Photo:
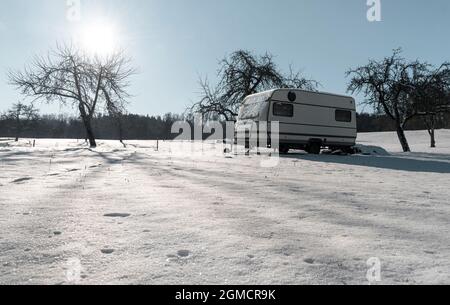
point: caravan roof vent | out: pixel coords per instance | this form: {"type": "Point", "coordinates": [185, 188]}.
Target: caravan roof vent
{"type": "Point", "coordinates": [292, 96]}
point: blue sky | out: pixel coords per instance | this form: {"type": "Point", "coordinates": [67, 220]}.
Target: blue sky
{"type": "Point", "coordinates": [173, 42]}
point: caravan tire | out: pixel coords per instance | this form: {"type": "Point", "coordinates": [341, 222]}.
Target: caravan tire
{"type": "Point", "coordinates": [314, 148]}
{"type": "Point", "coordinates": [284, 150]}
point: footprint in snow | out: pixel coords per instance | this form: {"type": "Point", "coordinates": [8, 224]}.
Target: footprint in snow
{"type": "Point", "coordinates": [107, 251]}
{"type": "Point", "coordinates": [117, 215]}
{"type": "Point", "coordinates": [309, 261]}
{"type": "Point", "coordinates": [72, 170]}
{"type": "Point", "coordinates": [184, 253]}
{"type": "Point", "coordinates": [20, 180]}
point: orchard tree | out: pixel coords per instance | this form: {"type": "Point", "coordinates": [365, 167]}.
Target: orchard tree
{"type": "Point", "coordinates": [241, 74]}
{"type": "Point", "coordinates": [430, 92]}
{"type": "Point", "coordinates": [68, 75]}
{"type": "Point", "coordinates": [386, 85]}
{"type": "Point", "coordinates": [21, 118]}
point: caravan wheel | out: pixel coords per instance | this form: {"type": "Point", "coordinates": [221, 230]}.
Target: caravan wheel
{"type": "Point", "coordinates": [314, 148]}
{"type": "Point", "coordinates": [284, 150]}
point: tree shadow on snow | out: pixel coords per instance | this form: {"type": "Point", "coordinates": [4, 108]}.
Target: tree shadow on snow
{"type": "Point", "coordinates": [8, 155]}
{"type": "Point", "coordinates": [109, 157]}
{"type": "Point", "coordinates": [400, 163]}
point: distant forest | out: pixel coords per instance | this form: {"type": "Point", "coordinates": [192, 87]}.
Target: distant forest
{"type": "Point", "coordinates": [136, 127]}
{"type": "Point", "coordinates": [139, 127]}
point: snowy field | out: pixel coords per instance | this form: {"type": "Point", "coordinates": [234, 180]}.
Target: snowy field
{"type": "Point", "coordinates": [134, 215]}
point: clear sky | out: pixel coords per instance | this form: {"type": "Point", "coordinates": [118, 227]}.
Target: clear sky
{"type": "Point", "coordinates": [173, 42]}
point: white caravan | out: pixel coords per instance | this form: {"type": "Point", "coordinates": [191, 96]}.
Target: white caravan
{"type": "Point", "coordinates": [307, 120]}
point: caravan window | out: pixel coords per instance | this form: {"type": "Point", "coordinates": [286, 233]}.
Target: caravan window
{"type": "Point", "coordinates": [251, 111]}
{"type": "Point", "coordinates": [253, 106]}
{"type": "Point", "coordinates": [344, 116]}
{"type": "Point", "coordinates": [282, 109]}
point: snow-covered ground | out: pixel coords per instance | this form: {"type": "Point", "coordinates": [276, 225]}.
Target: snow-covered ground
{"type": "Point", "coordinates": [116, 215]}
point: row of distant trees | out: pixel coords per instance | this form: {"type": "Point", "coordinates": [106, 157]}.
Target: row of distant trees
{"type": "Point", "coordinates": [395, 88]}
{"type": "Point", "coordinates": [371, 122]}
{"type": "Point", "coordinates": [136, 127]}
{"type": "Point", "coordinates": [21, 122]}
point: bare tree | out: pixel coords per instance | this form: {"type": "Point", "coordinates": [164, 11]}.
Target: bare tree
{"type": "Point", "coordinates": [296, 80]}
{"type": "Point", "coordinates": [386, 86]}
{"type": "Point", "coordinates": [430, 92]}
{"type": "Point", "coordinates": [240, 75]}
{"type": "Point", "coordinates": [21, 117]}
{"type": "Point", "coordinates": [68, 75]}
{"type": "Point", "coordinates": [214, 102]}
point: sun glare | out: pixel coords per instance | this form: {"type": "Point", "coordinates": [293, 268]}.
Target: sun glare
{"type": "Point", "coordinates": [99, 39]}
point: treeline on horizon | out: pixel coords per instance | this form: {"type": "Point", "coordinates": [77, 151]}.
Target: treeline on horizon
{"type": "Point", "coordinates": [145, 127]}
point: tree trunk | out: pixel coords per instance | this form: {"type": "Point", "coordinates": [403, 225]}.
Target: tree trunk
{"type": "Point", "coordinates": [430, 123]}
{"type": "Point", "coordinates": [90, 133]}
{"type": "Point", "coordinates": [18, 128]}
{"type": "Point", "coordinates": [87, 125]}
{"type": "Point", "coordinates": [433, 138]}
{"type": "Point", "coordinates": [432, 131]}
{"type": "Point", "coordinates": [402, 138]}
{"type": "Point", "coordinates": [119, 122]}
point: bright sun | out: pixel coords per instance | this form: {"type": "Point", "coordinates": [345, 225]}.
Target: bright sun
{"type": "Point", "coordinates": [99, 39]}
